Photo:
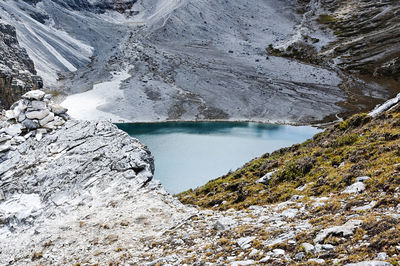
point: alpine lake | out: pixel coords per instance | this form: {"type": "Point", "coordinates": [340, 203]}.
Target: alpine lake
{"type": "Point", "coordinates": [189, 154]}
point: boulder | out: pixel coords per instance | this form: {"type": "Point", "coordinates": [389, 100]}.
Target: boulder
{"type": "Point", "coordinates": [362, 178]}
{"type": "Point", "coordinates": [224, 223]}
{"type": "Point", "coordinates": [357, 187]}
{"type": "Point", "coordinates": [343, 230]}
{"type": "Point", "coordinates": [14, 130]}
{"type": "Point", "coordinates": [37, 105]}
{"type": "Point", "coordinates": [244, 242]}
{"type": "Point", "coordinates": [308, 247]}
{"type": "Point", "coordinates": [57, 109]}
{"type": "Point", "coordinates": [37, 114]}
{"type": "Point", "coordinates": [47, 119]}
{"type": "Point", "coordinates": [265, 179]}
{"type": "Point", "coordinates": [34, 95]}
{"type": "Point", "coordinates": [30, 124]}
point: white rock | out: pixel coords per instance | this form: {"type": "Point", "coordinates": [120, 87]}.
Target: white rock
{"type": "Point", "coordinates": [328, 247]}
{"type": "Point", "coordinates": [319, 261]}
{"type": "Point", "coordinates": [244, 242]}
{"type": "Point", "coordinates": [34, 95]}
{"type": "Point", "coordinates": [370, 263]}
{"type": "Point", "coordinates": [21, 205]}
{"type": "Point", "coordinates": [266, 178]}
{"type": "Point", "coordinates": [299, 256]}
{"type": "Point", "coordinates": [21, 117]}
{"type": "Point", "coordinates": [278, 252]}
{"type": "Point", "coordinates": [57, 109]}
{"type": "Point", "coordinates": [242, 263]}
{"type": "Point", "coordinates": [355, 188]}
{"type": "Point", "coordinates": [5, 147]}
{"type": "Point", "coordinates": [39, 134]}
{"type": "Point", "coordinates": [301, 188]}
{"type": "Point", "coordinates": [14, 130]}
{"type": "Point", "coordinates": [224, 223]}
{"type": "Point", "coordinates": [308, 247]}
{"type": "Point", "coordinates": [58, 121]}
{"type": "Point", "coordinates": [19, 139]}
{"type": "Point", "coordinates": [265, 259]}
{"type": "Point", "coordinates": [38, 105]}
{"type": "Point", "coordinates": [37, 114]}
{"type": "Point", "coordinates": [47, 119]}
{"type": "Point", "coordinates": [345, 230]}
{"type": "Point", "coordinates": [253, 252]}
{"type": "Point", "coordinates": [290, 213]}
{"type": "Point", "coordinates": [382, 256]}
{"type": "Point", "coordinates": [9, 114]}
{"type": "Point", "coordinates": [362, 178]}
{"type": "Point", "coordinates": [365, 207]}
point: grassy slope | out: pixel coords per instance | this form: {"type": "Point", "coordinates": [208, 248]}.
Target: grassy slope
{"type": "Point", "coordinates": [326, 165]}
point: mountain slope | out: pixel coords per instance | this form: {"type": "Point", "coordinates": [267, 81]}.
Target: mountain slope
{"type": "Point", "coordinates": [187, 59]}
{"type": "Point", "coordinates": [349, 172]}
{"type": "Point", "coordinates": [17, 71]}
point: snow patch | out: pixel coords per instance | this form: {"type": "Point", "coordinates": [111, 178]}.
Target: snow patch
{"type": "Point", "coordinates": [386, 106]}
{"type": "Point", "coordinates": [84, 106]}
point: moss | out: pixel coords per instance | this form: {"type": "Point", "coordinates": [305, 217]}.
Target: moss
{"type": "Point", "coordinates": [326, 19]}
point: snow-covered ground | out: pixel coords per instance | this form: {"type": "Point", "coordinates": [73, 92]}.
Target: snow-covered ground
{"type": "Point", "coordinates": [85, 106]}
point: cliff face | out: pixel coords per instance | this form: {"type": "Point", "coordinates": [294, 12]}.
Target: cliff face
{"type": "Point", "coordinates": [17, 71]}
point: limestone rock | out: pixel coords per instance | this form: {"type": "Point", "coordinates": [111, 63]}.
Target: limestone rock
{"type": "Point", "coordinates": [57, 109]}
{"type": "Point", "coordinates": [224, 223]}
{"type": "Point", "coordinates": [37, 114]}
{"type": "Point", "coordinates": [308, 247]}
{"type": "Point", "coordinates": [245, 242]}
{"type": "Point", "coordinates": [370, 263]}
{"type": "Point", "coordinates": [14, 130]}
{"type": "Point", "coordinates": [355, 188]}
{"type": "Point", "coordinates": [343, 230]}
{"type": "Point", "coordinates": [47, 119]}
{"type": "Point", "coordinates": [264, 180]}
{"type": "Point", "coordinates": [362, 178]}
{"type": "Point", "coordinates": [34, 95]}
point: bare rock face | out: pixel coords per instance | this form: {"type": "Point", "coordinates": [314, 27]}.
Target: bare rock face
{"type": "Point", "coordinates": [17, 71]}
{"type": "Point", "coordinates": [81, 175]}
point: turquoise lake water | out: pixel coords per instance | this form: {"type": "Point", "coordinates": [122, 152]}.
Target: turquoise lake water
{"type": "Point", "coordinates": [188, 154]}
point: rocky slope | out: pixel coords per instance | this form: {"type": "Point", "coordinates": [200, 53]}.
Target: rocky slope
{"type": "Point", "coordinates": [365, 51]}
{"type": "Point", "coordinates": [17, 71]}
{"type": "Point", "coordinates": [213, 67]}
{"type": "Point", "coordinates": [61, 179]}
{"type": "Point", "coordinates": [334, 199]}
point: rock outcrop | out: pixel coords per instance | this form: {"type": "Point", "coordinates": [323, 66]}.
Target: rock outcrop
{"type": "Point", "coordinates": [61, 179]}
{"type": "Point", "coordinates": [17, 71]}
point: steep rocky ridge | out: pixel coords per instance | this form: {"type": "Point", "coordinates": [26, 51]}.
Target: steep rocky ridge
{"type": "Point", "coordinates": [17, 71]}
{"type": "Point", "coordinates": [365, 51]}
